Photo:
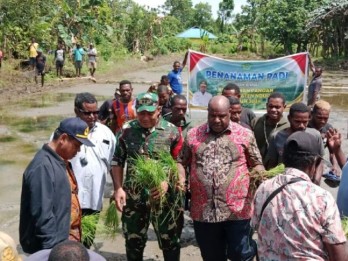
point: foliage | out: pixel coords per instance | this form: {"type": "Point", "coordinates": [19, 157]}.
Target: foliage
{"type": "Point", "coordinates": [225, 12]}
{"type": "Point", "coordinates": [180, 9]}
{"type": "Point", "coordinates": [119, 27]}
{"type": "Point", "coordinates": [326, 27]}
{"type": "Point", "coordinates": [202, 15]}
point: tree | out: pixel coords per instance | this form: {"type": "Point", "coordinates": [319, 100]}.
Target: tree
{"type": "Point", "coordinates": [181, 10]}
{"type": "Point", "coordinates": [327, 24]}
{"type": "Point", "coordinates": [225, 12]}
{"type": "Point", "coordinates": [202, 15]}
{"type": "Point", "coordinates": [282, 21]}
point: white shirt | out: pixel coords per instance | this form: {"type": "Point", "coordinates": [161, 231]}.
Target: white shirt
{"type": "Point", "coordinates": [201, 99]}
{"type": "Point", "coordinates": [91, 166]}
{"type": "Point", "coordinates": [93, 53]}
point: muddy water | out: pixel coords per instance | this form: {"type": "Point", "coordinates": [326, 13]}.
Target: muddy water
{"type": "Point", "coordinates": [26, 125]}
{"type": "Point", "coordinates": [335, 89]}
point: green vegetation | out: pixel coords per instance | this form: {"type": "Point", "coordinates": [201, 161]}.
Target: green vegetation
{"type": "Point", "coordinates": [257, 177]}
{"type": "Point", "coordinates": [121, 28]}
{"type": "Point", "coordinates": [107, 227]}
{"type": "Point", "coordinates": [345, 225]}
{"type": "Point", "coordinates": [111, 220]}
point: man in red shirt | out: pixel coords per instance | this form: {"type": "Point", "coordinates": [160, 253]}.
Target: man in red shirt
{"type": "Point", "coordinates": [219, 154]}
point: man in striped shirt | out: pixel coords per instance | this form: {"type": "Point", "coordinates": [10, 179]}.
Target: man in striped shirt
{"type": "Point", "coordinates": [123, 108]}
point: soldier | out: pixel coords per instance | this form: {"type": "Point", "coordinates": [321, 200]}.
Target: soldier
{"type": "Point", "coordinates": [146, 135]}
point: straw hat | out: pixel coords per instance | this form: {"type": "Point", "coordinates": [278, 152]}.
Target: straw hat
{"type": "Point", "coordinates": [8, 251]}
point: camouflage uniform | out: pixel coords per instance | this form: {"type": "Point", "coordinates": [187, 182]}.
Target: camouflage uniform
{"type": "Point", "coordinates": [134, 140]}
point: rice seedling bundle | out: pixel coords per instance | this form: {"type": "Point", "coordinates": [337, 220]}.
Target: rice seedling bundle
{"type": "Point", "coordinates": [88, 224]}
{"type": "Point", "coordinates": [257, 177]}
{"type": "Point", "coordinates": [345, 225]}
{"type": "Point", "coordinates": [151, 172]}
{"type": "Point", "coordinates": [108, 228]}
{"type": "Point", "coordinates": [111, 220]}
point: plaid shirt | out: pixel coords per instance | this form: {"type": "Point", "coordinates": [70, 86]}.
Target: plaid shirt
{"type": "Point", "coordinates": [219, 176]}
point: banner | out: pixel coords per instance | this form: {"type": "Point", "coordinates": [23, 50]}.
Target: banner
{"type": "Point", "coordinates": [256, 79]}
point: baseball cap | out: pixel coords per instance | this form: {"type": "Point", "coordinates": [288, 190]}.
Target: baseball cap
{"type": "Point", "coordinates": [147, 101]}
{"type": "Point", "coordinates": [8, 250]}
{"type": "Point", "coordinates": [304, 143]}
{"type": "Point", "coordinates": [76, 128]}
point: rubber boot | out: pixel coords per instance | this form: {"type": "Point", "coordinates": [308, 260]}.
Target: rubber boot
{"type": "Point", "coordinates": [171, 255]}
{"type": "Point", "coordinates": [134, 255]}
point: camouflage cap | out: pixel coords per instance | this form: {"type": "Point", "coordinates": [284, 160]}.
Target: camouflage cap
{"type": "Point", "coordinates": [147, 101]}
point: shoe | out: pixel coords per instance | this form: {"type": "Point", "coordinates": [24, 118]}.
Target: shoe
{"type": "Point", "coordinates": [331, 179]}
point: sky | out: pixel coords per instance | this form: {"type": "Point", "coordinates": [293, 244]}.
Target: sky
{"type": "Point", "coordinates": [214, 4]}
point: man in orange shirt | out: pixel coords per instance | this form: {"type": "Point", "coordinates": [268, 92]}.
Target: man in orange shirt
{"type": "Point", "coordinates": [123, 108]}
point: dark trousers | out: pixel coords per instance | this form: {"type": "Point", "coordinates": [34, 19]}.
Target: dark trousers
{"type": "Point", "coordinates": [222, 240]}
{"type": "Point", "coordinates": [87, 212]}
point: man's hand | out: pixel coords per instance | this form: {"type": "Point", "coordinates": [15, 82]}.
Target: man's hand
{"type": "Point", "coordinates": [157, 193]}
{"type": "Point", "coordinates": [180, 184]}
{"type": "Point", "coordinates": [334, 140]}
{"type": "Point", "coordinates": [120, 198]}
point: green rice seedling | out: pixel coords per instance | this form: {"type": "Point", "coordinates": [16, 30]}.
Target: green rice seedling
{"type": "Point", "coordinates": [169, 165]}
{"type": "Point", "coordinates": [88, 224]}
{"type": "Point", "coordinates": [257, 177]}
{"type": "Point", "coordinates": [150, 173]}
{"type": "Point", "coordinates": [111, 221]}
{"type": "Point", "coordinates": [345, 225]}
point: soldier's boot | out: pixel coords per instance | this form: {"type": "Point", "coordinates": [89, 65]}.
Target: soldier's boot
{"type": "Point", "coordinates": [135, 255]}
{"type": "Point", "coordinates": [171, 255]}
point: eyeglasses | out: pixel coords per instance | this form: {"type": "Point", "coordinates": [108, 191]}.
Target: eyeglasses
{"type": "Point", "coordinates": [87, 113]}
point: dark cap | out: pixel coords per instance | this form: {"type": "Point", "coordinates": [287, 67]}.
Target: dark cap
{"type": "Point", "coordinates": [304, 143]}
{"type": "Point", "coordinates": [147, 101]}
{"type": "Point", "coordinates": [76, 128]}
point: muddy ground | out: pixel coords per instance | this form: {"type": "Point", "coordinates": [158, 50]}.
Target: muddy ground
{"type": "Point", "coordinates": [29, 113]}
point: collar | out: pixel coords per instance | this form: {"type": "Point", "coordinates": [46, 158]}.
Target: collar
{"type": "Point", "coordinates": [53, 153]}
{"type": "Point", "coordinates": [94, 127]}
{"type": "Point", "coordinates": [227, 130]}
{"type": "Point", "coordinates": [297, 173]}
{"type": "Point", "coordinates": [183, 123]}
{"type": "Point", "coordinates": [281, 122]}
{"type": "Point", "coordinates": [160, 125]}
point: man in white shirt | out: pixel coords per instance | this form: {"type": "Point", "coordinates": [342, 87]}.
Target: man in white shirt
{"type": "Point", "coordinates": [92, 59]}
{"type": "Point", "coordinates": [201, 97]}
{"type": "Point", "coordinates": [92, 165]}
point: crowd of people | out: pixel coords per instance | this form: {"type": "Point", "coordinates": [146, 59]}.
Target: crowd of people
{"type": "Point", "coordinates": [77, 54]}
{"type": "Point", "coordinates": [293, 216]}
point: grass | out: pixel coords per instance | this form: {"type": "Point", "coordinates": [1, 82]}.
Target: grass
{"type": "Point", "coordinates": [7, 138]}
